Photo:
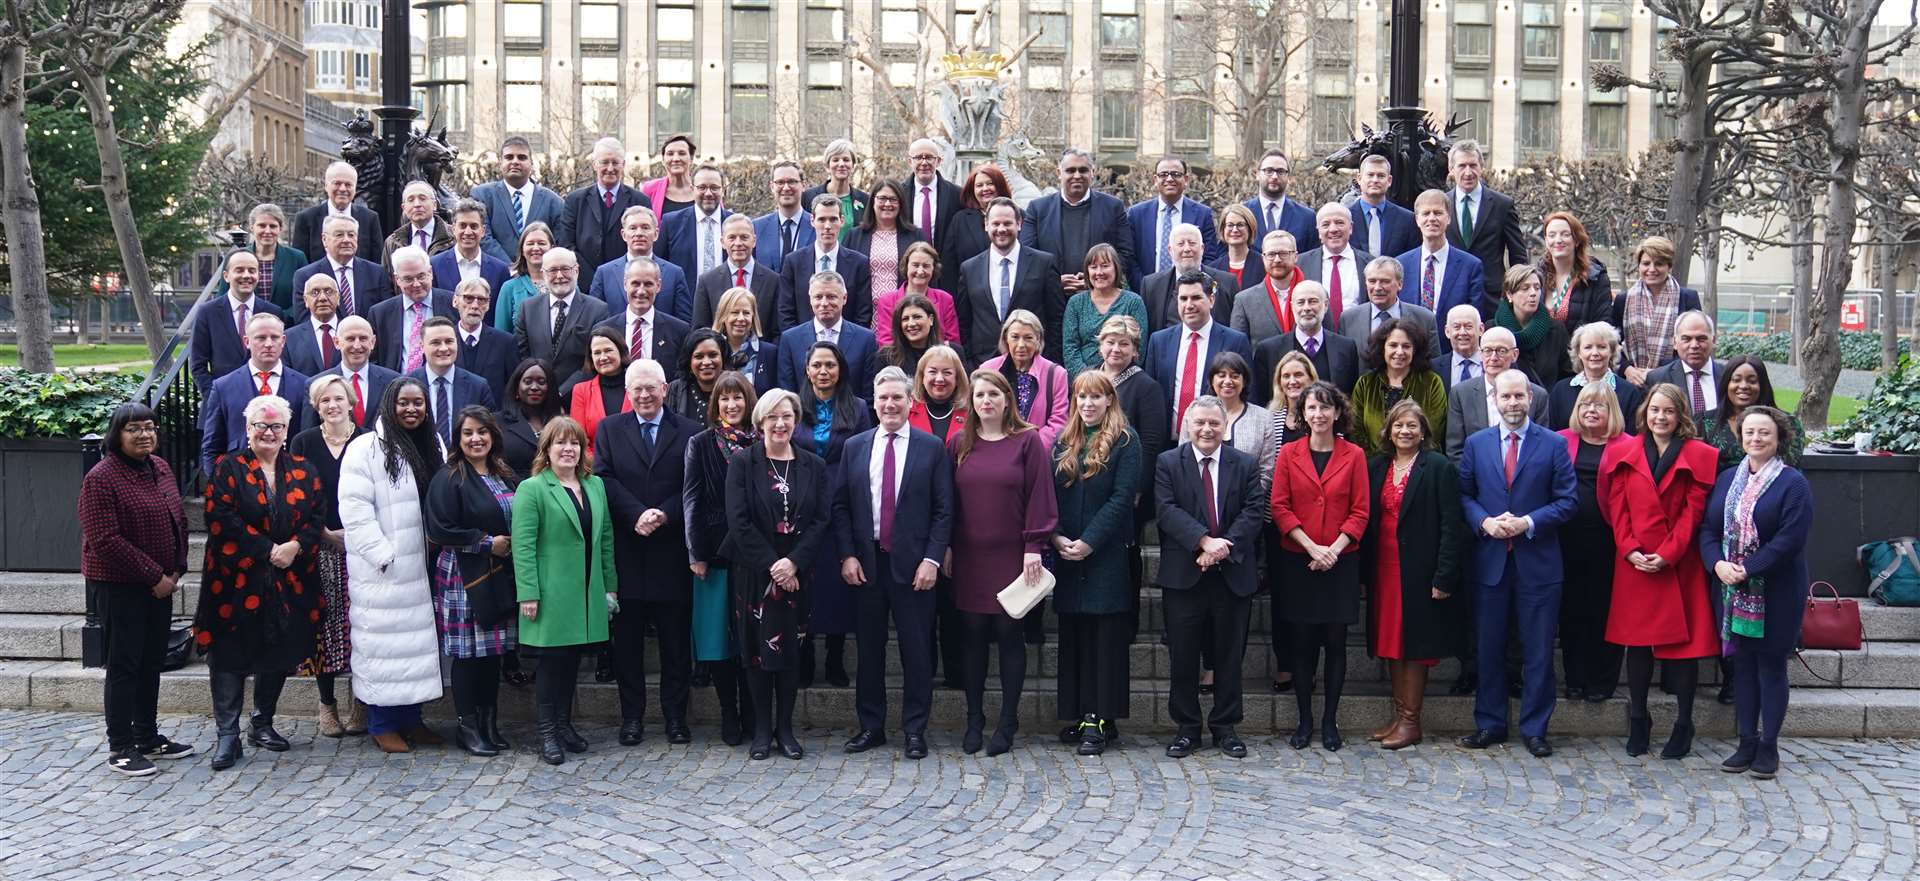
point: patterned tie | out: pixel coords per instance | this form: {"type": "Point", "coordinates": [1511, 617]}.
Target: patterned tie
{"type": "Point", "coordinates": [1006, 285]}
{"type": "Point", "coordinates": [826, 263]}
{"type": "Point", "coordinates": [266, 383]}
{"type": "Point", "coordinates": [926, 212]}
{"type": "Point", "coordinates": [706, 244]}
{"type": "Point", "coordinates": [414, 356]}
{"type": "Point", "coordinates": [1699, 394]}
{"type": "Point", "coordinates": [1513, 454]}
{"type": "Point", "coordinates": [1166, 230]}
{"type": "Point", "coordinates": [1206, 495]}
{"type": "Point", "coordinates": [359, 402]}
{"type": "Point", "coordinates": [635, 346]}
{"type": "Point", "coordinates": [343, 276]}
{"type": "Point", "coordinates": [886, 496]}
{"type": "Point", "coordinates": [519, 222]}
{"type": "Point", "coordinates": [1466, 220]}
{"type": "Point", "coordinates": [240, 322]}
{"type": "Point", "coordinates": [1188, 374]}
{"type": "Point", "coordinates": [1313, 346]}
{"type": "Point", "coordinates": [326, 344]}
{"type": "Point", "coordinates": [559, 318]}
{"type": "Point", "coordinates": [1426, 282]}
{"type": "Point", "coordinates": [443, 412]}
{"type": "Point", "coordinates": [1382, 318]}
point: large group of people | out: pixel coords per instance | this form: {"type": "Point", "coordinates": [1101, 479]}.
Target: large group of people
{"type": "Point", "coordinates": [547, 429]}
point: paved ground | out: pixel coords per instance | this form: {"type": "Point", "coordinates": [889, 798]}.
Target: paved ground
{"type": "Point", "coordinates": [1851, 383]}
{"type": "Point", "coordinates": [341, 809]}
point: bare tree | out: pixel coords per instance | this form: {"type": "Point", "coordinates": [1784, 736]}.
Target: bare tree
{"type": "Point", "coordinates": [914, 102]}
{"type": "Point", "coordinates": [1234, 58]}
{"type": "Point", "coordinates": [20, 29]}
{"type": "Point", "coordinates": [241, 182]}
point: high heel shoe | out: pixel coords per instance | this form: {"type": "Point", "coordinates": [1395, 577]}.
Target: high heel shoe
{"type": "Point", "coordinates": [1002, 738]}
{"type": "Point", "coordinates": [1680, 743]}
{"type": "Point", "coordinates": [1639, 732]}
{"type": "Point", "coordinates": [789, 745]}
{"type": "Point", "coordinates": [970, 741]}
{"type": "Point", "coordinates": [1330, 737]}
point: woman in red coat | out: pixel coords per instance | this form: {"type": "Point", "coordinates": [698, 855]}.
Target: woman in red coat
{"type": "Point", "coordinates": [1654, 493]}
{"type": "Point", "coordinates": [599, 390]}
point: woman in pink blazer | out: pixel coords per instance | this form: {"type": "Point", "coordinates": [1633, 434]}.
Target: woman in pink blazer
{"type": "Point", "coordinates": [1039, 386]}
{"type": "Point", "coordinates": [923, 266]}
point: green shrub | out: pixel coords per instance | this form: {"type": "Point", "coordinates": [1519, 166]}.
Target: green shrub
{"type": "Point", "coordinates": [1859, 349]}
{"type": "Point", "coordinates": [38, 405]}
{"type": "Point", "coordinates": [1892, 411]}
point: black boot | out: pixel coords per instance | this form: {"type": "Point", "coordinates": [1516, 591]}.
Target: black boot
{"type": "Point", "coordinates": [266, 700]}
{"type": "Point", "coordinates": [786, 691]}
{"type": "Point", "coordinates": [976, 724]}
{"type": "Point", "coordinates": [569, 737]}
{"type": "Point", "coordinates": [1003, 733]}
{"type": "Point", "coordinates": [726, 687]}
{"type": "Point", "coordinates": [760, 688]}
{"type": "Point", "coordinates": [490, 728]}
{"type": "Point", "coordinates": [837, 661]}
{"type": "Point", "coordinates": [229, 693]}
{"type": "Point", "coordinates": [551, 750]}
{"type": "Point", "coordinates": [1639, 733]}
{"type": "Point", "coordinates": [1680, 743]}
{"type": "Point", "coordinates": [470, 738]}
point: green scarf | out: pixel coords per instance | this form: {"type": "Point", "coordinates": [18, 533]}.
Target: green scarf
{"type": "Point", "coordinates": [1527, 338]}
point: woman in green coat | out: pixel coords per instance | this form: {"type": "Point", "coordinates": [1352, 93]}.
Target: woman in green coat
{"type": "Point", "coordinates": [563, 570]}
{"type": "Point", "coordinates": [1096, 477]}
{"type": "Point", "coordinates": [1398, 354]}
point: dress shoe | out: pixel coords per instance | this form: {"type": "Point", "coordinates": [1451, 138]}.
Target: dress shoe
{"type": "Point", "coordinates": [916, 746]}
{"type": "Point", "coordinates": [227, 752]}
{"type": "Point", "coordinates": [970, 741]}
{"type": "Point", "coordinates": [1539, 747]}
{"type": "Point", "coordinates": [789, 745]}
{"type": "Point", "coordinates": [1576, 693]}
{"type": "Point", "coordinates": [1680, 743]}
{"type": "Point", "coordinates": [1302, 735]}
{"type": "Point", "coordinates": [1230, 743]}
{"type": "Point", "coordinates": [1002, 740]}
{"type": "Point", "coordinates": [1742, 757]}
{"type": "Point", "coordinates": [1482, 739]}
{"type": "Point", "coordinates": [1181, 747]}
{"type": "Point", "coordinates": [518, 678]}
{"type": "Point", "coordinates": [1330, 739]}
{"type": "Point", "coordinates": [603, 673]}
{"type": "Point", "coordinates": [678, 732]}
{"type": "Point", "coordinates": [1639, 734]}
{"type": "Point", "coordinates": [421, 735]}
{"type": "Point", "coordinates": [762, 746]}
{"type": "Point", "coordinates": [731, 733]}
{"type": "Point", "coordinates": [1766, 762]}
{"type": "Point", "coordinates": [866, 740]}
{"type": "Point", "coordinates": [391, 742]}
{"type": "Point", "coordinates": [1725, 697]}
{"type": "Point", "coordinates": [631, 733]}
{"type": "Point", "coordinates": [264, 737]}
{"type": "Point", "coordinates": [1283, 687]}
{"type": "Point", "coordinates": [1599, 697]}
{"type": "Point", "coordinates": [470, 739]}
{"type": "Point", "coordinates": [1461, 686]}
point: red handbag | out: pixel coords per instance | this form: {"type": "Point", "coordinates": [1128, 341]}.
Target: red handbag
{"type": "Point", "coordinates": [1831, 622]}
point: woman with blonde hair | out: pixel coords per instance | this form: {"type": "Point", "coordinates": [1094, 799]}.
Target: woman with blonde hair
{"type": "Point", "coordinates": [1039, 386]}
{"type": "Point", "coordinates": [1593, 350]}
{"type": "Point", "coordinates": [840, 160]}
{"type": "Point", "coordinates": [737, 318]}
{"type": "Point", "coordinates": [1590, 664]}
{"type": "Point", "coordinates": [527, 280]}
{"type": "Point", "coordinates": [322, 446]}
{"type": "Point", "coordinates": [1236, 227]}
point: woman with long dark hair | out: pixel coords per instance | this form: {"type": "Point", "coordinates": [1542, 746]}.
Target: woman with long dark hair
{"type": "Point", "coordinates": [703, 357]}
{"type": "Point", "coordinates": [884, 235]}
{"type": "Point", "coordinates": [704, 506]}
{"type": "Point", "coordinates": [832, 412]}
{"type": "Point", "coordinates": [599, 390]}
{"type": "Point", "coordinates": [1744, 383]}
{"type": "Point", "coordinates": [915, 330]}
{"type": "Point", "coordinates": [965, 236]}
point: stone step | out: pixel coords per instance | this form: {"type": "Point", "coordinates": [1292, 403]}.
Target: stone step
{"type": "Point", "coordinates": [65, 593]}
{"type": "Point", "coordinates": [40, 636]}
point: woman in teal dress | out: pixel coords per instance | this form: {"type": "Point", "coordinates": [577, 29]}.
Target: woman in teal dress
{"type": "Point", "coordinates": [1088, 310]}
{"type": "Point", "coordinates": [526, 281]}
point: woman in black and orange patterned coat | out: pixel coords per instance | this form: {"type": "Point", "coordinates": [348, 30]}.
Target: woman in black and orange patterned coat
{"type": "Point", "coordinates": [260, 599]}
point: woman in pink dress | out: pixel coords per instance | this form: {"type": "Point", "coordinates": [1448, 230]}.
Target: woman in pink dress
{"type": "Point", "coordinates": [921, 266]}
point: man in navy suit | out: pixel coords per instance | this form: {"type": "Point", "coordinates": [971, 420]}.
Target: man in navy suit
{"type": "Point", "coordinates": [368, 380]}
{"type": "Point", "coordinates": [640, 230]}
{"type": "Point", "coordinates": [590, 216]}
{"type": "Point", "coordinates": [1274, 210]}
{"type": "Point", "coordinates": [1379, 226]}
{"type": "Point", "coordinates": [1184, 247]}
{"type": "Point", "coordinates": [1484, 222]}
{"type": "Point", "coordinates": [395, 320]}
{"type": "Point", "coordinates": [449, 388]}
{"type": "Point", "coordinates": [1177, 356]}
{"type": "Point", "coordinates": [741, 269]}
{"type": "Point", "coordinates": [485, 350]}
{"type": "Point", "coordinates": [1068, 223]}
{"type": "Point", "coordinates": [341, 182]}
{"type": "Point", "coordinates": [788, 227]}
{"type": "Point", "coordinates": [465, 259]}
{"type": "Point", "coordinates": [826, 255]}
{"type": "Point", "coordinates": [890, 552]}
{"type": "Point", "coordinates": [641, 456]}
{"type": "Point", "coordinates": [827, 321]}
{"type": "Point", "coordinates": [1517, 487]}
{"type": "Point", "coordinates": [217, 345]}
{"type": "Point", "coordinates": [362, 283]}
{"type": "Point", "coordinates": [1003, 278]}
{"type": "Point", "coordinates": [690, 237]}
{"type": "Point", "coordinates": [1211, 511]}
{"type": "Point", "coordinates": [314, 345]}
{"type": "Point", "coordinates": [1153, 220]}
{"type": "Point", "coordinates": [649, 331]}
{"type": "Point", "coordinates": [1335, 358]}
{"type": "Point", "coordinates": [1438, 275]}
{"type": "Point", "coordinates": [932, 200]}
{"type": "Point", "coordinates": [223, 426]}
{"type": "Point", "coordinates": [514, 201]}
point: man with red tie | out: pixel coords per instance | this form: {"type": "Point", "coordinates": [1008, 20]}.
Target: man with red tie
{"type": "Point", "coordinates": [313, 345]}
{"type": "Point", "coordinates": [1177, 356]}
{"type": "Point", "coordinates": [741, 269]}
{"type": "Point", "coordinates": [222, 423]}
{"type": "Point", "coordinates": [367, 379]}
{"type": "Point", "coordinates": [1337, 263]}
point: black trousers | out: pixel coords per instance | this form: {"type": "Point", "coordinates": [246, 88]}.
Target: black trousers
{"type": "Point", "coordinates": [950, 632]}
{"type": "Point", "coordinates": [1208, 613]}
{"type": "Point", "coordinates": [673, 630]}
{"type": "Point", "coordinates": [134, 625]}
{"type": "Point", "coordinates": [1094, 678]}
{"type": "Point", "coordinates": [912, 614]}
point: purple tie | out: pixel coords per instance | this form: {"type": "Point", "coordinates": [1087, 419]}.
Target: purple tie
{"type": "Point", "coordinates": [344, 276]}
{"type": "Point", "coordinates": [420, 238]}
{"type": "Point", "coordinates": [606, 198]}
{"type": "Point", "coordinates": [887, 470]}
{"type": "Point", "coordinates": [1426, 284]}
{"type": "Point", "coordinates": [1313, 346]}
{"type": "Point", "coordinates": [926, 211]}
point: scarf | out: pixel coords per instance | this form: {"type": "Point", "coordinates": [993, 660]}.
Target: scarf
{"type": "Point", "coordinates": [1744, 605]}
{"type": "Point", "coordinates": [1650, 321]}
{"type": "Point", "coordinates": [1528, 338]}
{"type": "Point", "coordinates": [733, 438]}
{"type": "Point", "coordinates": [1562, 296]}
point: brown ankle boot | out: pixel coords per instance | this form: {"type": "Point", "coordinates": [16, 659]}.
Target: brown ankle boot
{"type": "Point", "coordinates": [329, 721]}
{"type": "Point", "coordinates": [1393, 712]}
{"type": "Point", "coordinates": [392, 742]}
{"type": "Point", "coordinates": [1414, 691]}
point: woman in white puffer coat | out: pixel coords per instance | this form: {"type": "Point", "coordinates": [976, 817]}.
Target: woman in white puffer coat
{"type": "Point", "coordinates": [396, 648]}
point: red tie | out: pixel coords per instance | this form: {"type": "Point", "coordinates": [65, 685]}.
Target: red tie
{"type": "Point", "coordinates": [606, 198]}
{"type": "Point", "coordinates": [359, 402]}
{"type": "Point", "coordinates": [739, 278]}
{"type": "Point", "coordinates": [1187, 376]}
{"type": "Point", "coordinates": [326, 344]}
{"type": "Point", "coordinates": [1513, 455]}
{"type": "Point", "coordinates": [886, 497]}
{"type": "Point", "coordinates": [1334, 297]}
{"type": "Point", "coordinates": [1206, 496]}
{"type": "Point", "coordinates": [1699, 395]}
{"type": "Point", "coordinates": [266, 388]}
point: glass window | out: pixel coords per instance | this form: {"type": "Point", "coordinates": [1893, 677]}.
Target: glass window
{"type": "Point", "coordinates": [1052, 28]}
{"type": "Point", "coordinates": [1044, 76]}
{"type": "Point", "coordinates": [449, 21]}
{"type": "Point", "coordinates": [674, 70]}
{"type": "Point", "coordinates": [749, 121]}
{"type": "Point", "coordinates": [1606, 127]}
{"type": "Point", "coordinates": [1119, 116]}
{"type": "Point", "coordinates": [521, 68]}
{"type": "Point", "coordinates": [899, 26]}
{"type": "Point", "coordinates": [1192, 117]}
{"type": "Point", "coordinates": [522, 20]}
{"type": "Point", "coordinates": [1332, 120]}
{"type": "Point", "coordinates": [749, 73]}
{"type": "Point", "coordinates": [600, 21]}
{"type": "Point", "coordinates": [1540, 12]}
{"type": "Point", "coordinates": [673, 25]}
{"type": "Point", "coordinates": [526, 106]}
{"type": "Point", "coordinates": [1472, 41]}
{"type": "Point", "coordinates": [362, 71]}
{"type": "Point", "coordinates": [1120, 32]}
{"type": "Point", "coordinates": [1471, 12]}
{"type": "Point", "coordinates": [825, 73]}
{"type": "Point", "coordinates": [751, 25]}
{"type": "Point", "coordinates": [1607, 47]}
{"type": "Point", "coordinates": [903, 73]}
{"type": "Point", "coordinates": [826, 114]}
{"type": "Point", "coordinates": [599, 69]}
{"type": "Point", "coordinates": [450, 105]}
{"type": "Point", "coordinates": [824, 26]}
{"type": "Point", "coordinates": [673, 110]}
{"type": "Point", "coordinates": [600, 107]}
{"type": "Point", "coordinates": [1540, 34]}
{"type": "Point", "coordinates": [1539, 127]}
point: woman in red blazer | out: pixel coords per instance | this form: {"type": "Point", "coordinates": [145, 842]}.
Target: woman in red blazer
{"type": "Point", "coordinates": [940, 393]}
{"type": "Point", "coordinates": [1654, 493]}
{"type": "Point", "coordinates": [1320, 493]}
{"type": "Point", "coordinates": [599, 390]}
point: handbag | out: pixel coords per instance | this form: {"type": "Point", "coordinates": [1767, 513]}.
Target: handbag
{"type": "Point", "coordinates": [1831, 622]}
{"type": "Point", "coordinates": [1893, 571]}
{"type": "Point", "coordinates": [492, 600]}
{"type": "Point", "coordinates": [179, 644]}
{"type": "Point", "coordinates": [1019, 597]}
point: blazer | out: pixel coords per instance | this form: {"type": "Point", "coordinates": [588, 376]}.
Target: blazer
{"type": "Point", "coordinates": [492, 357]}
{"type": "Point", "coordinates": [753, 510]}
{"type": "Point", "coordinates": [1294, 218]}
{"type": "Point", "coordinates": [1253, 312]}
{"type": "Point", "coordinates": [1182, 521]}
{"type": "Point", "coordinates": [461, 514]}
{"type": "Point", "coordinates": [960, 240]}
{"type": "Point", "coordinates": [466, 387]}
{"type": "Point", "coordinates": [439, 243]}
{"type": "Point", "coordinates": [1357, 324]}
{"type": "Point", "coordinates": [680, 244]}
{"type": "Point", "coordinates": [390, 324]}
{"type": "Point", "coordinates": [1338, 362]}
{"type": "Point", "coordinates": [305, 235]}
{"type": "Point", "coordinates": [1783, 518]}
{"type": "Point", "coordinates": [1163, 307]}
{"type": "Point", "coordinates": [502, 235]}
{"type": "Point", "coordinates": [764, 371]}
{"type": "Point", "coordinates": [1467, 411]}
{"type": "Point", "coordinates": [1560, 402]}
{"type": "Point", "coordinates": [1431, 536]}
{"type": "Point", "coordinates": [371, 285]}
{"type": "Point", "coordinates": [1323, 504]}
{"type": "Point", "coordinates": [862, 241]}
{"type": "Point", "coordinates": [1689, 300]}
{"type": "Point", "coordinates": [1667, 609]}
{"type": "Point", "coordinates": [590, 228]}
{"type": "Point", "coordinates": [609, 285]}
{"type": "Point", "coordinates": [215, 349]}
{"type": "Point", "coordinates": [1497, 241]}
{"type": "Point", "coordinates": [1106, 224]}
{"type": "Point", "coordinates": [446, 272]}
{"type": "Point", "coordinates": [1544, 488]}
{"type": "Point", "coordinates": [587, 404]}
{"type": "Point", "coordinates": [1462, 282]}
{"type": "Point", "coordinates": [1312, 266]}
{"type": "Point", "coordinates": [551, 562]}
{"type": "Point", "coordinates": [302, 349]}
{"type": "Point", "coordinates": [923, 505]}
{"type": "Point", "coordinates": [1099, 511]}
{"type": "Point", "coordinates": [1163, 359]}
{"type": "Point", "coordinates": [1590, 300]}
{"type": "Point", "coordinates": [1370, 406]}
{"type": "Point", "coordinates": [517, 440]}
{"type": "Point", "coordinates": [856, 342]}
{"type": "Point", "coordinates": [1144, 219]}
{"type": "Point", "coordinates": [1675, 371]}
{"type": "Point", "coordinates": [762, 281]}
{"type": "Point", "coordinates": [1398, 234]}
{"type": "Point", "coordinates": [796, 274]}
{"type": "Point", "coordinates": [533, 332]}
{"type": "Point", "coordinates": [669, 334]}
{"type": "Point", "coordinates": [943, 307]}
{"type": "Point", "coordinates": [1036, 288]}
{"type": "Point", "coordinates": [223, 424]}
{"type": "Point", "coordinates": [652, 568]}
{"type": "Point", "coordinates": [1050, 402]}
{"type": "Point", "coordinates": [1446, 366]}
{"type": "Point", "coordinates": [287, 261]}
{"type": "Point", "coordinates": [703, 498]}
{"type": "Point", "coordinates": [946, 196]}
{"type": "Point", "coordinates": [767, 241]}
{"type": "Point", "coordinates": [378, 378]}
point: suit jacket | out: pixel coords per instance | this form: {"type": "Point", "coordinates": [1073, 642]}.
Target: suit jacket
{"type": "Point", "coordinates": [669, 334]}
{"type": "Point", "coordinates": [1398, 234]}
{"type": "Point", "coordinates": [680, 241]}
{"type": "Point", "coordinates": [1294, 218]}
{"type": "Point", "coordinates": [390, 325]}
{"type": "Point", "coordinates": [1689, 301]}
{"type": "Point", "coordinates": [371, 285]}
{"type": "Point", "coordinates": [1338, 362]}
{"type": "Point", "coordinates": [1312, 267]}
{"type": "Point", "coordinates": [590, 228]}
{"type": "Point", "coordinates": [446, 272]}
{"type": "Point", "coordinates": [302, 350]}
{"type": "Point", "coordinates": [1461, 284]}
{"type": "Point", "coordinates": [216, 348]}
{"type": "Point", "coordinates": [766, 237]}
{"type": "Point", "coordinates": [1163, 359]}
{"type": "Point", "coordinates": [1497, 240]}
{"type": "Point", "coordinates": [307, 229]}
{"type": "Point", "coordinates": [1144, 219]}
{"type": "Point", "coordinates": [1163, 308]}
{"type": "Point", "coordinates": [223, 424]}
{"type": "Point", "coordinates": [1543, 488]}
{"type": "Point", "coordinates": [492, 357]}
{"type": "Point", "coordinates": [1447, 367]}
{"type": "Point", "coordinates": [797, 273]}
{"type": "Point", "coordinates": [610, 287]}
{"type": "Point", "coordinates": [856, 343]}
{"type": "Point", "coordinates": [762, 281]}
{"type": "Point", "coordinates": [1561, 397]}
{"type": "Point", "coordinates": [502, 236]}
{"type": "Point", "coordinates": [533, 334]}
{"type": "Point", "coordinates": [1182, 520]}
{"type": "Point", "coordinates": [1357, 324]}
{"type": "Point", "coordinates": [465, 387]}
{"type": "Point", "coordinates": [1675, 371]}
{"type": "Point", "coordinates": [946, 201]}
{"type": "Point", "coordinates": [1036, 288]}
{"type": "Point", "coordinates": [1253, 312]}
{"type": "Point", "coordinates": [439, 242]}
{"type": "Point", "coordinates": [378, 378]}
{"type": "Point", "coordinates": [764, 371]}
{"type": "Point", "coordinates": [923, 509]}
{"type": "Point", "coordinates": [1106, 223]}
{"type": "Point", "coordinates": [287, 261]}
{"type": "Point", "coordinates": [1467, 411]}
{"type": "Point", "coordinates": [652, 568]}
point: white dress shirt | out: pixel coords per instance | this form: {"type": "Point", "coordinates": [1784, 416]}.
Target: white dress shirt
{"type": "Point", "coordinates": [929, 191]}
{"type": "Point", "coordinates": [646, 325]}
{"type": "Point", "coordinates": [273, 378]}
{"type": "Point", "coordinates": [1180, 359]}
{"type": "Point", "coordinates": [1013, 276]}
{"type": "Point", "coordinates": [1213, 476]}
{"type": "Point", "coordinates": [526, 192]}
{"type": "Point", "coordinates": [1439, 272]}
{"type": "Point", "coordinates": [825, 334]}
{"type": "Point", "coordinates": [1353, 287]}
{"type": "Point", "coordinates": [469, 269]}
{"type": "Point", "coordinates": [1707, 393]}
{"type": "Point", "coordinates": [829, 251]}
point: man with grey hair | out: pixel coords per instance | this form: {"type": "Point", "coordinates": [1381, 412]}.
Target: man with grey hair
{"type": "Point", "coordinates": [1067, 223]}
{"type": "Point", "coordinates": [890, 544]}
{"type": "Point", "coordinates": [1461, 331]}
{"type": "Point", "coordinates": [1186, 247]}
{"type": "Point", "coordinates": [362, 283]}
{"type": "Point", "coordinates": [468, 259]}
{"type": "Point", "coordinates": [340, 182]}
{"type": "Point", "coordinates": [1694, 369]}
{"type": "Point", "coordinates": [590, 218]}
{"type": "Point", "coordinates": [828, 322]}
{"type": "Point", "coordinates": [1471, 405]}
{"type": "Point", "coordinates": [1382, 227]}
{"type": "Point", "coordinates": [223, 427]}
{"type": "Point", "coordinates": [399, 321]}
{"type": "Point", "coordinates": [554, 326]}
{"type": "Point", "coordinates": [1337, 262]}
{"type": "Point", "coordinates": [931, 199]}
{"type": "Point", "coordinates": [420, 223]}
{"type": "Point", "coordinates": [1383, 305]}
{"type": "Point", "coordinates": [1484, 222]}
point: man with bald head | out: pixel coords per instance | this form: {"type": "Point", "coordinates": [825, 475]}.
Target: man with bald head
{"type": "Point", "coordinates": [590, 224]}
{"type": "Point", "coordinates": [1338, 263]}
{"type": "Point", "coordinates": [223, 426]}
{"type": "Point", "coordinates": [361, 283]}
{"type": "Point", "coordinates": [219, 326]}
{"type": "Point", "coordinates": [554, 325]}
{"type": "Point", "coordinates": [420, 224]}
{"type": "Point", "coordinates": [1186, 248]}
{"type": "Point", "coordinates": [314, 345]}
{"type": "Point", "coordinates": [931, 199]}
{"type": "Point", "coordinates": [1460, 331]}
{"type": "Point", "coordinates": [400, 320]}
{"type": "Point", "coordinates": [367, 380]}
{"type": "Point", "coordinates": [741, 269]}
{"type": "Point", "coordinates": [1472, 405]}
{"type": "Point", "coordinates": [341, 182]}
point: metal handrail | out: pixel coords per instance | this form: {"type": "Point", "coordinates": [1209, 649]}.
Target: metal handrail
{"type": "Point", "coordinates": [168, 360]}
{"type": "Point", "coordinates": [167, 384]}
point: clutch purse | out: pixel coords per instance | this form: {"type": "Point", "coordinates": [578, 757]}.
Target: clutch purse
{"type": "Point", "coordinates": [1019, 597]}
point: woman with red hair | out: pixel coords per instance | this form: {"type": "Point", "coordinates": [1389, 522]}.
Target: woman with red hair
{"type": "Point", "coordinates": [1576, 287]}
{"type": "Point", "coordinates": [966, 234]}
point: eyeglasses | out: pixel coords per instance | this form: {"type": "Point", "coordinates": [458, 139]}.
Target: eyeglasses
{"type": "Point", "coordinates": [1169, 175]}
{"type": "Point", "coordinates": [143, 428]}
{"type": "Point", "coordinates": [1279, 171]}
{"type": "Point", "coordinates": [269, 427]}
{"type": "Point", "coordinates": [1496, 351]}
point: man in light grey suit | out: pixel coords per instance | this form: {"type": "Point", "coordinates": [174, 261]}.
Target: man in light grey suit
{"type": "Point", "coordinates": [554, 326]}
{"type": "Point", "coordinates": [1696, 371]}
{"type": "Point", "coordinates": [507, 215]}
{"type": "Point", "coordinates": [1383, 305]}
{"type": "Point", "coordinates": [1337, 263]}
{"type": "Point", "coordinates": [1469, 404]}
{"type": "Point", "coordinates": [1253, 308]}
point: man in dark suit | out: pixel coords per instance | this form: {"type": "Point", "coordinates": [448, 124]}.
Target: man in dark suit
{"type": "Point", "coordinates": [314, 345]}
{"type": "Point", "coordinates": [1438, 275]}
{"type": "Point", "coordinates": [361, 282]}
{"type": "Point", "coordinates": [1274, 210]}
{"type": "Point", "coordinates": [649, 331]}
{"type": "Point", "coordinates": [641, 457]}
{"type": "Point", "coordinates": [218, 344]}
{"type": "Point", "coordinates": [890, 555]}
{"type": "Point", "coordinates": [741, 269]}
{"type": "Point", "coordinates": [420, 224]}
{"type": "Point", "coordinates": [1693, 368]}
{"type": "Point", "coordinates": [515, 201]}
{"type": "Point", "coordinates": [397, 319]}
{"type": "Point", "coordinates": [465, 259]}
{"type": "Point", "coordinates": [931, 199]}
{"type": "Point", "coordinates": [449, 388]}
{"type": "Point", "coordinates": [590, 218]}
{"type": "Point", "coordinates": [341, 181]}
{"type": "Point", "coordinates": [1460, 331]}
{"type": "Point", "coordinates": [690, 237]}
{"type": "Point", "coordinates": [1177, 356]}
{"type": "Point", "coordinates": [1385, 296]}
{"type": "Point", "coordinates": [1003, 278]}
{"type": "Point", "coordinates": [1211, 511]}
{"type": "Point", "coordinates": [1484, 223]}
{"type": "Point", "coordinates": [485, 351]}
{"type": "Point", "coordinates": [640, 230]}
{"type": "Point", "coordinates": [1380, 226]}
{"type": "Point", "coordinates": [788, 227]}
{"type": "Point", "coordinates": [1335, 358]}
{"type": "Point", "coordinates": [1337, 264]}
{"type": "Point", "coordinates": [1153, 220]}
{"type": "Point", "coordinates": [1517, 487]}
{"type": "Point", "coordinates": [554, 327]}
{"type": "Point", "coordinates": [828, 322]}
{"type": "Point", "coordinates": [368, 380]}
{"type": "Point", "coordinates": [1185, 246]}
{"type": "Point", "coordinates": [223, 427]}
{"type": "Point", "coordinates": [1472, 405]}
{"type": "Point", "coordinates": [1068, 223]}
{"type": "Point", "coordinates": [826, 255]}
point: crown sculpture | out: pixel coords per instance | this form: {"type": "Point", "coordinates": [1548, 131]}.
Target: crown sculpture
{"type": "Point", "coordinates": [972, 63]}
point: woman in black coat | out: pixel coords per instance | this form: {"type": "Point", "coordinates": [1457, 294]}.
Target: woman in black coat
{"type": "Point", "coordinates": [830, 412]}
{"type": "Point", "coordinates": [1145, 404]}
{"type": "Point", "coordinates": [703, 505]}
{"type": "Point", "coordinates": [1576, 289]}
{"type": "Point", "coordinates": [531, 401]}
{"type": "Point", "coordinates": [965, 234]}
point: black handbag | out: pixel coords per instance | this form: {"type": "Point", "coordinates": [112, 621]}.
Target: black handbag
{"type": "Point", "coordinates": [179, 644]}
{"type": "Point", "coordinates": [491, 597]}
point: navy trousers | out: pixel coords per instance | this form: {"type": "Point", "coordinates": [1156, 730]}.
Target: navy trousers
{"type": "Point", "coordinates": [912, 612]}
{"type": "Point", "coordinates": [1534, 610]}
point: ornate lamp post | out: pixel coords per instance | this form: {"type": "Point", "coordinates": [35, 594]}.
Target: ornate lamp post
{"type": "Point", "coordinates": [1403, 113]}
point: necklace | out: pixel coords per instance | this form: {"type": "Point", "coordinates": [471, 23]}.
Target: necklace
{"type": "Point", "coordinates": [950, 406]}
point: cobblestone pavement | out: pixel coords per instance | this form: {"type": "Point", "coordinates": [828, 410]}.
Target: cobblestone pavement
{"type": "Point", "coordinates": [341, 809]}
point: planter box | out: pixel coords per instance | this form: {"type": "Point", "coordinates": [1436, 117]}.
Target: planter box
{"type": "Point", "coordinates": [40, 502]}
{"type": "Point", "coordinates": [1857, 499]}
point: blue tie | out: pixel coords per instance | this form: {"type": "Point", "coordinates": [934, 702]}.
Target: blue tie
{"type": "Point", "coordinates": [1466, 370]}
{"type": "Point", "coordinates": [826, 264]}
{"type": "Point", "coordinates": [443, 415]}
{"type": "Point", "coordinates": [1166, 231]}
{"type": "Point", "coordinates": [646, 437]}
{"type": "Point", "coordinates": [518, 224]}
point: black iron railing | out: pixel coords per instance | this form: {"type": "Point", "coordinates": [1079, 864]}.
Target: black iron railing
{"type": "Point", "coordinates": [170, 391]}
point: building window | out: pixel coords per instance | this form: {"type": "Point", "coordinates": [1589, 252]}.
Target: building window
{"type": "Point", "coordinates": [673, 24]}
{"type": "Point", "coordinates": [749, 121]}
{"type": "Point", "coordinates": [600, 104]}
{"type": "Point", "coordinates": [1332, 120]}
{"type": "Point", "coordinates": [900, 27]}
{"type": "Point", "coordinates": [523, 21]}
{"type": "Point", "coordinates": [1192, 116]}
{"type": "Point", "coordinates": [1539, 128]}
{"type": "Point", "coordinates": [599, 22]}
{"type": "Point", "coordinates": [1119, 26]}
{"type": "Point", "coordinates": [1607, 47]}
{"type": "Point", "coordinates": [1478, 118]}
{"type": "Point", "coordinates": [526, 102]}
{"type": "Point", "coordinates": [1540, 32]}
{"type": "Point", "coordinates": [449, 104]}
{"type": "Point", "coordinates": [826, 22]}
{"type": "Point", "coordinates": [1472, 43]}
{"type": "Point", "coordinates": [1048, 18]}
{"type": "Point", "coordinates": [1606, 128]}
{"type": "Point", "coordinates": [362, 72]}
{"type": "Point", "coordinates": [329, 71]}
{"type": "Point", "coordinates": [1119, 107]}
